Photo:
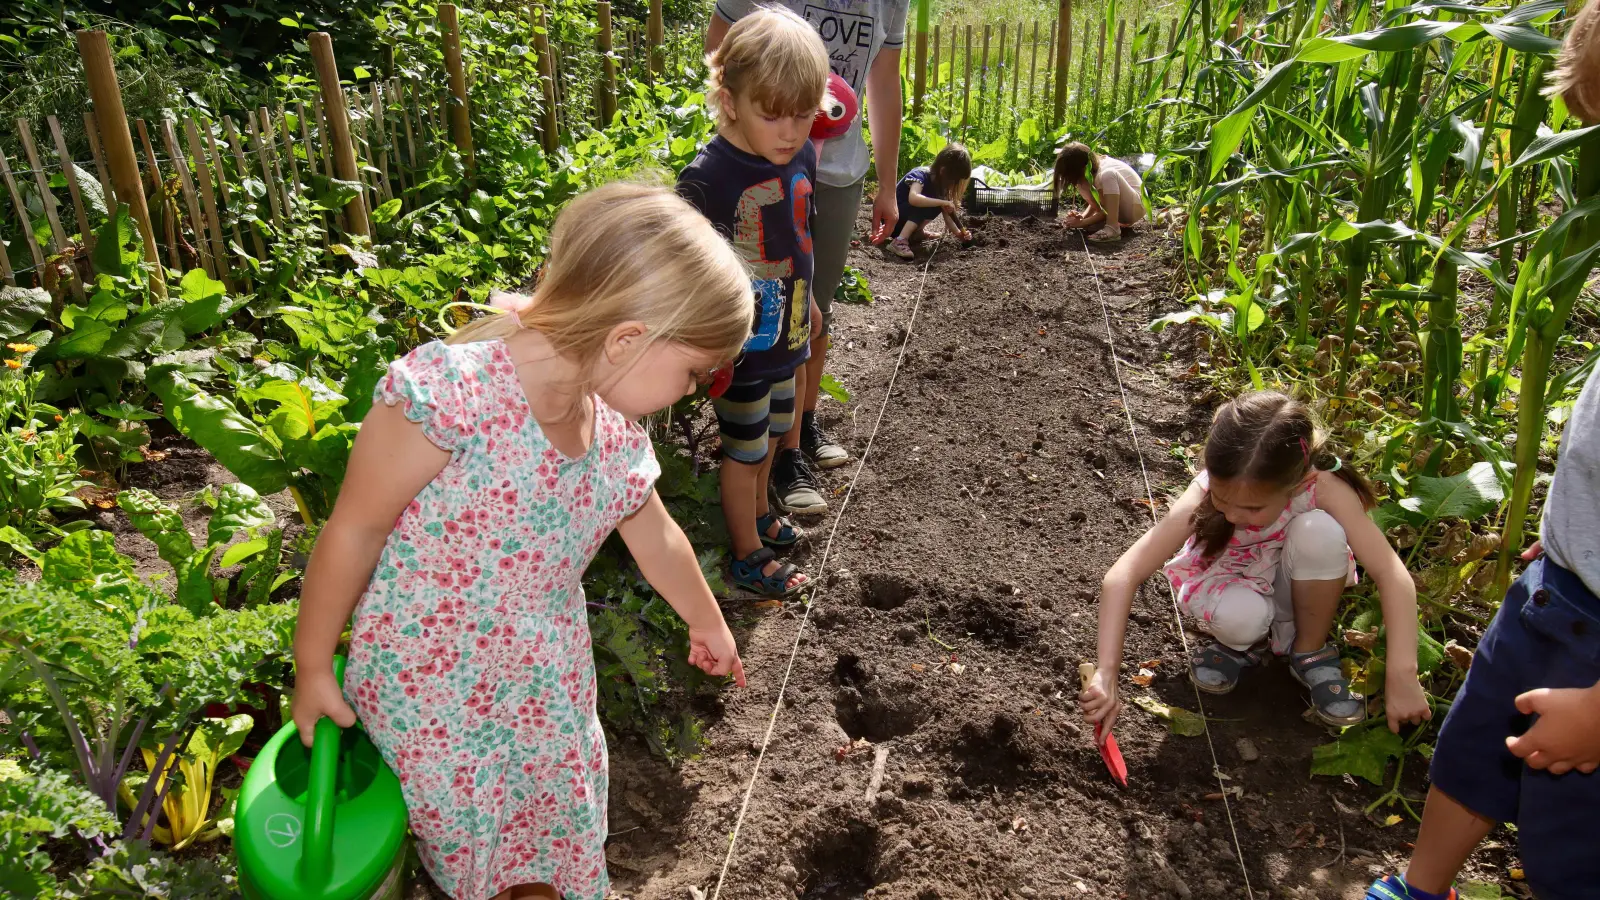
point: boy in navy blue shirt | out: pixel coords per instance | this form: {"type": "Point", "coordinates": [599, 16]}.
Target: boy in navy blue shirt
{"type": "Point", "coordinates": [1521, 743]}
{"type": "Point", "coordinates": [754, 182]}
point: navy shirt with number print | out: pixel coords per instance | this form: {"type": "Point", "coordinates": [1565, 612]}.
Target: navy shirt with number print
{"type": "Point", "coordinates": [765, 210]}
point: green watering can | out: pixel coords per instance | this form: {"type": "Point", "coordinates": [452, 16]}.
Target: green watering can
{"type": "Point", "coordinates": [327, 823]}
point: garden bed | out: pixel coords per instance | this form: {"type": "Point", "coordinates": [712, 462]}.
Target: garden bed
{"type": "Point", "coordinates": [959, 599]}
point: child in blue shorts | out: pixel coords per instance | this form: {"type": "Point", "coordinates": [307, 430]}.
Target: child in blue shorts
{"type": "Point", "coordinates": [926, 192]}
{"type": "Point", "coordinates": [1522, 741]}
{"type": "Point", "coordinates": [754, 181]}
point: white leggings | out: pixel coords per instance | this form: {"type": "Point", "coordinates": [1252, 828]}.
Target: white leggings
{"type": "Point", "coordinates": [1314, 549]}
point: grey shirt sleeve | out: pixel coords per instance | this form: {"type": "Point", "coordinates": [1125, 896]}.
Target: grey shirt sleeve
{"type": "Point", "coordinates": [731, 11]}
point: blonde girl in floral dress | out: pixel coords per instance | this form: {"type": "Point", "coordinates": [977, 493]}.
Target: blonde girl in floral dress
{"type": "Point", "coordinates": [481, 485]}
{"type": "Point", "coordinates": [1263, 539]}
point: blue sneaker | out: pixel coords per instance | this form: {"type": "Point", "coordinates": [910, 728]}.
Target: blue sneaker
{"type": "Point", "coordinates": [1393, 887]}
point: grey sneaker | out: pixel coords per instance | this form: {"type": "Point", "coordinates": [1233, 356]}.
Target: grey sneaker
{"type": "Point", "coordinates": [819, 447]}
{"type": "Point", "coordinates": [794, 487]}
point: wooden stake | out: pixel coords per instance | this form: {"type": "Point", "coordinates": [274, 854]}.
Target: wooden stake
{"type": "Point", "coordinates": [933, 84]}
{"type": "Point", "coordinates": [541, 46]}
{"type": "Point", "coordinates": [47, 198]}
{"type": "Point", "coordinates": [919, 85]}
{"type": "Point", "coordinates": [208, 200]}
{"type": "Point", "coordinates": [1000, 73]}
{"type": "Point", "coordinates": [1083, 70]}
{"type": "Point", "coordinates": [608, 79]}
{"type": "Point", "coordinates": [99, 161]}
{"type": "Point", "coordinates": [1063, 58]}
{"type": "Point", "coordinates": [112, 120]}
{"type": "Point", "coordinates": [966, 83]}
{"type": "Point", "coordinates": [460, 118]}
{"type": "Point", "coordinates": [222, 187]}
{"type": "Point", "coordinates": [6, 275]}
{"type": "Point", "coordinates": [286, 136]}
{"type": "Point", "coordinates": [344, 154]}
{"type": "Point", "coordinates": [266, 171]}
{"type": "Point", "coordinates": [658, 60]}
{"type": "Point", "coordinates": [169, 139]}
{"type": "Point", "coordinates": [1033, 62]}
{"type": "Point", "coordinates": [271, 154]}
{"type": "Point", "coordinates": [158, 188]}
{"type": "Point", "coordinates": [1016, 62]}
{"type": "Point", "coordinates": [411, 142]}
{"type": "Point", "coordinates": [1099, 69]}
{"type": "Point", "coordinates": [22, 214]}
{"type": "Point", "coordinates": [381, 135]}
{"type": "Point", "coordinates": [1050, 79]}
{"type": "Point", "coordinates": [983, 75]}
{"type": "Point", "coordinates": [71, 173]}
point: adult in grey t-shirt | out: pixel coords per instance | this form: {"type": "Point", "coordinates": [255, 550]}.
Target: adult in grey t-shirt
{"type": "Point", "coordinates": [1570, 529]}
{"type": "Point", "coordinates": [864, 39]}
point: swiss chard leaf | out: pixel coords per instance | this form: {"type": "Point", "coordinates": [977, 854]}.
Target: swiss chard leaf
{"type": "Point", "coordinates": [215, 424]}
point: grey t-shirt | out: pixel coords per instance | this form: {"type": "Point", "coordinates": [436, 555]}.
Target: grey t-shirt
{"type": "Point", "coordinates": [853, 31]}
{"type": "Point", "coordinates": [1570, 529]}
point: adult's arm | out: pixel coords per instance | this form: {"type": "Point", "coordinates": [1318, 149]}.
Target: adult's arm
{"type": "Point", "coordinates": [884, 108]}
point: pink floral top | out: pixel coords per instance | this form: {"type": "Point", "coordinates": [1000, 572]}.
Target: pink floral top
{"type": "Point", "coordinates": [470, 660]}
{"type": "Point", "coordinates": [1251, 558]}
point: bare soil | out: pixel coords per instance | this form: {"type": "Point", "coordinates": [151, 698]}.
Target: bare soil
{"type": "Point", "coordinates": [958, 600]}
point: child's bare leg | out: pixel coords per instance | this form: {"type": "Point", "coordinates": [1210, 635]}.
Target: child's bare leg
{"type": "Point", "coordinates": [763, 478]}
{"type": "Point", "coordinates": [1448, 835]}
{"type": "Point", "coordinates": [1316, 603]}
{"type": "Point", "coordinates": [741, 500]}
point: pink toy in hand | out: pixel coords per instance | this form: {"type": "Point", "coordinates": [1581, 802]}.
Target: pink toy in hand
{"type": "Point", "coordinates": [836, 114]}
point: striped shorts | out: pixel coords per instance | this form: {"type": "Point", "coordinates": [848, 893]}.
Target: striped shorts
{"type": "Point", "coordinates": [748, 412]}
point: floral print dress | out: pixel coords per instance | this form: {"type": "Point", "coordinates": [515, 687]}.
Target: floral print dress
{"type": "Point", "coordinates": [1251, 560]}
{"type": "Point", "coordinates": [470, 662]}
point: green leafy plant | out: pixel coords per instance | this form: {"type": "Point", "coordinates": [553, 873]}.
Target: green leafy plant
{"type": "Point", "coordinates": [38, 465]}
{"type": "Point", "coordinates": [236, 509]}
{"type": "Point", "coordinates": [97, 664]}
{"type": "Point", "coordinates": [37, 804]}
{"type": "Point", "coordinates": [187, 807]}
{"type": "Point", "coordinates": [853, 287]}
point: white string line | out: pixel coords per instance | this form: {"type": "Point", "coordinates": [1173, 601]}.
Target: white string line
{"type": "Point", "coordinates": [822, 564]}
{"type": "Point", "coordinates": [1127, 409]}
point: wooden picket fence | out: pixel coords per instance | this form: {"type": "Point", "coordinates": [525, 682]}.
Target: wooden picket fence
{"type": "Point", "coordinates": [1021, 64]}
{"type": "Point", "coordinates": [202, 172]}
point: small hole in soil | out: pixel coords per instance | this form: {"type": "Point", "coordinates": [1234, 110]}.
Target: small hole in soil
{"type": "Point", "coordinates": [996, 752]}
{"type": "Point", "coordinates": [995, 623]}
{"type": "Point", "coordinates": [841, 864]}
{"type": "Point", "coordinates": [847, 670]}
{"type": "Point", "coordinates": [884, 591]}
{"type": "Point", "coordinates": [879, 712]}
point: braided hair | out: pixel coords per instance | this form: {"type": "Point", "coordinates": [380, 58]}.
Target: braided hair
{"type": "Point", "coordinates": [1271, 439]}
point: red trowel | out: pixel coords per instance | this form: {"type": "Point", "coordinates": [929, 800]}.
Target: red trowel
{"type": "Point", "coordinates": [1109, 751]}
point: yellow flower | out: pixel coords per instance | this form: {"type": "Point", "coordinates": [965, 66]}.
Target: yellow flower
{"type": "Point", "coordinates": [21, 348]}
{"type": "Point", "coordinates": [13, 363]}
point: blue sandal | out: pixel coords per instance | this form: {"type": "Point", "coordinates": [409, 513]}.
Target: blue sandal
{"type": "Point", "coordinates": [1227, 662]}
{"type": "Point", "coordinates": [789, 534]}
{"type": "Point", "coordinates": [747, 573]}
{"type": "Point", "coordinates": [1393, 887]}
{"type": "Point", "coordinates": [1331, 696]}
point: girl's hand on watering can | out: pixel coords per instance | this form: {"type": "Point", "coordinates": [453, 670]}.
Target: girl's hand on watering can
{"type": "Point", "coordinates": [316, 696]}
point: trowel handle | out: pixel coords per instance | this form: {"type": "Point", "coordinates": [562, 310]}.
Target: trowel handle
{"type": "Point", "coordinates": [1086, 674]}
{"type": "Point", "coordinates": [316, 862]}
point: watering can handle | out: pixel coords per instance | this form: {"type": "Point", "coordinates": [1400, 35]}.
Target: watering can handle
{"type": "Point", "coordinates": [316, 861]}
